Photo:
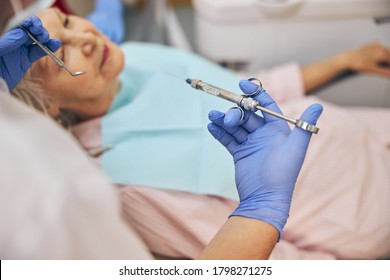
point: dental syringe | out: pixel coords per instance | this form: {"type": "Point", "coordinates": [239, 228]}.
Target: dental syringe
{"type": "Point", "coordinates": [247, 102]}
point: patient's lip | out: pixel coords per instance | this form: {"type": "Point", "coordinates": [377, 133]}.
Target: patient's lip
{"type": "Point", "coordinates": [106, 54]}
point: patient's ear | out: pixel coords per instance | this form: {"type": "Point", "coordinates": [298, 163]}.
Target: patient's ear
{"type": "Point", "coordinates": [53, 110]}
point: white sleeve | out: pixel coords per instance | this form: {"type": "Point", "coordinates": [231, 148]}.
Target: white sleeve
{"type": "Point", "coordinates": [54, 202]}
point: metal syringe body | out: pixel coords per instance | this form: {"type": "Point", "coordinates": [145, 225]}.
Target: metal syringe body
{"type": "Point", "coordinates": [248, 103]}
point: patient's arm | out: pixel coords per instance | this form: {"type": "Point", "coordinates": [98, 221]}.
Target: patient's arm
{"type": "Point", "coordinates": [242, 238]}
{"type": "Point", "coordinates": [369, 59]}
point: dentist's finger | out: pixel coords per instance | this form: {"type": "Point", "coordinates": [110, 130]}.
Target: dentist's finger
{"type": "Point", "coordinates": [250, 122]}
{"type": "Point", "coordinates": [264, 100]}
{"type": "Point", "coordinates": [223, 137]}
{"type": "Point", "coordinates": [239, 133]}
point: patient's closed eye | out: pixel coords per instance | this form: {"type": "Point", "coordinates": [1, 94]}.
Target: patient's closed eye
{"type": "Point", "coordinates": [66, 22]}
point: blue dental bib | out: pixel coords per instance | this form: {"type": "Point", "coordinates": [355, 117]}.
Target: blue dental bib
{"type": "Point", "coordinates": [157, 123]}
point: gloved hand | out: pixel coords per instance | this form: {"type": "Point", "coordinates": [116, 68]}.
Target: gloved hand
{"type": "Point", "coordinates": [108, 18]}
{"type": "Point", "coordinates": [268, 156]}
{"type": "Point", "coordinates": [17, 53]}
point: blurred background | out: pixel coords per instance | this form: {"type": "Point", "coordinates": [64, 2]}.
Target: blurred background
{"type": "Point", "coordinates": [259, 34]}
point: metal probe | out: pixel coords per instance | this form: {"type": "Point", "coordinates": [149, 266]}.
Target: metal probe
{"type": "Point", "coordinates": [247, 103]}
{"type": "Point", "coordinates": [50, 53]}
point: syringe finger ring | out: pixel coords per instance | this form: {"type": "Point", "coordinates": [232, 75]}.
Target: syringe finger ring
{"type": "Point", "coordinates": [306, 126]}
{"type": "Point", "coordinates": [259, 88]}
{"type": "Point", "coordinates": [241, 111]}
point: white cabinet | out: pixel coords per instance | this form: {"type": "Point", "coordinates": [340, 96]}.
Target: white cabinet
{"type": "Point", "coordinates": [264, 35]}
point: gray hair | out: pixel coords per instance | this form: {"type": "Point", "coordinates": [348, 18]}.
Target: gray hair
{"type": "Point", "coordinates": [30, 91]}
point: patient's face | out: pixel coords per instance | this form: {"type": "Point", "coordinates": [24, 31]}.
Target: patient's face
{"type": "Point", "coordinates": [83, 48]}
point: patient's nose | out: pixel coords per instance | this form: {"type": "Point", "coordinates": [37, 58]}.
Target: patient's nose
{"type": "Point", "coordinates": [87, 42]}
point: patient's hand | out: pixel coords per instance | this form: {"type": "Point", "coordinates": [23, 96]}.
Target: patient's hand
{"type": "Point", "coordinates": [373, 58]}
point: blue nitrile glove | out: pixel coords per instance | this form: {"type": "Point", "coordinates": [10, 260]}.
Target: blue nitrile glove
{"type": "Point", "coordinates": [268, 156]}
{"type": "Point", "coordinates": [17, 52]}
{"type": "Point", "coordinates": [108, 18]}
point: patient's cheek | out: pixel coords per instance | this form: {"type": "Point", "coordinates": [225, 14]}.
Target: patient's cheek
{"type": "Point", "coordinates": [118, 61]}
{"type": "Point", "coordinates": [38, 70]}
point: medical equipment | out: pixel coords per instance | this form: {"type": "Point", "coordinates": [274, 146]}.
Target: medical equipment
{"type": "Point", "coordinates": [51, 54]}
{"type": "Point", "coordinates": [18, 53]}
{"type": "Point", "coordinates": [287, 33]}
{"type": "Point", "coordinates": [247, 102]}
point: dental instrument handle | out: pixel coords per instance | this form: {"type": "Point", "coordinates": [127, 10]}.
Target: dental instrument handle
{"type": "Point", "coordinates": [50, 53]}
{"type": "Point", "coordinates": [43, 47]}
{"type": "Point", "coordinates": [247, 103]}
